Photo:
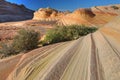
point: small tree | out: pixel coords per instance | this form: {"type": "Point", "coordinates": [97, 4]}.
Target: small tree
{"type": "Point", "coordinates": [26, 40]}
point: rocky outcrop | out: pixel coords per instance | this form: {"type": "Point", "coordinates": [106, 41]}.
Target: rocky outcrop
{"type": "Point", "coordinates": [79, 16]}
{"type": "Point", "coordinates": [110, 9]}
{"type": "Point", "coordinates": [95, 16]}
{"type": "Point", "coordinates": [13, 12]}
{"type": "Point", "coordinates": [48, 14]}
{"type": "Point", "coordinates": [84, 13]}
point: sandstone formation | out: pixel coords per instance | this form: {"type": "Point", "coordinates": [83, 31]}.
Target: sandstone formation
{"type": "Point", "coordinates": [48, 14]}
{"type": "Point", "coordinates": [95, 16]}
{"type": "Point", "coordinates": [84, 13]}
{"type": "Point", "coordinates": [113, 9]}
{"type": "Point", "coordinates": [79, 16]}
{"type": "Point", "coordinates": [13, 12]}
{"type": "Point", "coordinates": [93, 57]}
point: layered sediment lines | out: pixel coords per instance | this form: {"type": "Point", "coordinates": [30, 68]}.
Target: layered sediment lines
{"type": "Point", "coordinates": [89, 17]}
{"type": "Point", "coordinates": [93, 57]}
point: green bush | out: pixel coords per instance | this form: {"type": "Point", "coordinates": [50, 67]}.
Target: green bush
{"type": "Point", "coordinates": [66, 33]}
{"type": "Point", "coordinates": [26, 40]}
{"type": "Point", "coordinates": [7, 49]}
{"type": "Point", "coordinates": [115, 7]}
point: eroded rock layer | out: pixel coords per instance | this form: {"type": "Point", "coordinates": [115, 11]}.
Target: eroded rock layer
{"type": "Point", "coordinates": [93, 57]}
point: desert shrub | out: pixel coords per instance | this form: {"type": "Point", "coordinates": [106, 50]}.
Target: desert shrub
{"type": "Point", "coordinates": [66, 33]}
{"type": "Point", "coordinates": [26, 40]}
{"type": "Point", "coordinates": [7, 49]}
{"type": "Point", "coordinates": [115, 7]}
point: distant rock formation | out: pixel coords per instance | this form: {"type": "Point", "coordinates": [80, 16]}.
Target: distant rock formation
{"type": "Point", "coordinates": [48, 14]}
{"type": "Point", "coordinates": [110, 9]}
{"type": "Point", "coordinates": [79, 16]}
{"type": "Point", "coordinates": [13, 12]}
{"type": "Point", "coordinates": [94, 16]}
{"type": "Point", "coordinates": [84, 12]}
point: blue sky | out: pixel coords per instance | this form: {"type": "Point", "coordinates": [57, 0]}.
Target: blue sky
{"type": "Point", "coordinates": [63, 4]}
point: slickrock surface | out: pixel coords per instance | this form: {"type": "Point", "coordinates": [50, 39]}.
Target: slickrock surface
{"type": "Point", "coordinates": [93, 57]}
{"type": "Point", "coordinates": [13, 12]}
